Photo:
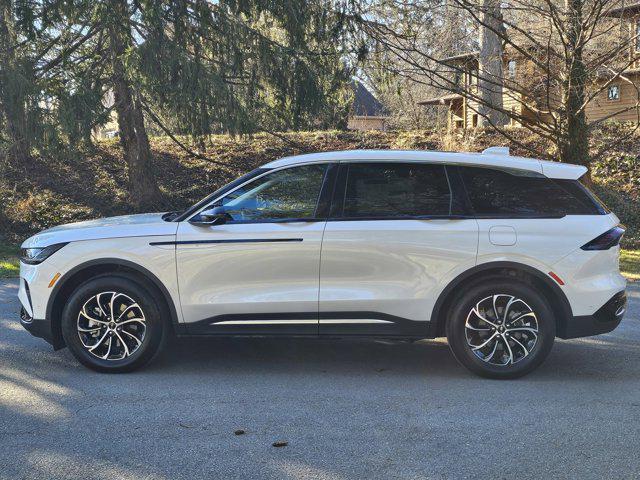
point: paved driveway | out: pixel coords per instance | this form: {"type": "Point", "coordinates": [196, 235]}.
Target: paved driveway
{"type": "Point", "coordinates": [348, 409]}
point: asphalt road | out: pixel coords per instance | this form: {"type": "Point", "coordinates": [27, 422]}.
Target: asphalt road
{"type": "Point", "coordinates": [348, 410]}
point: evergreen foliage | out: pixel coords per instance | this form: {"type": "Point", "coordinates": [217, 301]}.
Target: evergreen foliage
{"type": "Point", "coordinates": [187, 67]}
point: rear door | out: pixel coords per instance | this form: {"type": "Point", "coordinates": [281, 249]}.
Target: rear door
{"type": "Point", "coordinates": [395, 231]}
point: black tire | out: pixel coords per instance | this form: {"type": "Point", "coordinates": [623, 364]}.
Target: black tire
{"type": "Point", "coordinates": [503, 348]}
{"type": "Point", "coordinates": [155, 325]}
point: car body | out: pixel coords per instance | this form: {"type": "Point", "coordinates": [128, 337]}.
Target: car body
{"type": "Point", "coordinates": [355, 243]}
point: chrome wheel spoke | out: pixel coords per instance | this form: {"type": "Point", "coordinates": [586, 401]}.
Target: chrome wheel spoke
{"type": "Point", "coordinates": [495, 308]}
{"type": "Point", "coordinates": [524, 349]}
{"type": "Point", "coordinates": [85, 315]}
{"type": "Point", "coordinates": [97, 297]}
{"type": "Point", "coordinates": [106, 355]}
{"type": "Point", "coordinates": [524, 329]}
{"type": "Point", "coordinates": [103, 333]}
{"type": "Point", "coordinates": [478, 347]}
{"type": "Point", "coordinates": [129, 308]}
{"type": "Point", "coordinates": [493, 352]}
{"type": "Point", "coordinates": [471, 327]}
{"type": "Point", "coordinates": [138, 341]}
{"type": "Point", "coordinates": [132, 320]}
{"type": "Point", "coordinates": [88, 330]}
{"type": "Point", "coordinates": [512, 329]}
{"type": "Point", "coordinates": [124, 345]}
{"type": "Point", "coordinates": [529, 314]}
{"type": "Point", "coordinates": [484, 319]}
{"type": "Point", "coordinates": [505, 315]}
{"type": "Point", "coordinates": [112, 313]}
{"type": "Point", "coordinates": [99, 342]}
{"type": "Point", "coordinates": [506, 342]}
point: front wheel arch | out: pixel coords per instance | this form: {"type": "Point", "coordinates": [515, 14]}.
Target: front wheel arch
{"type": "Point", "coordinates": [552, 292]}
{"type": "Point", "coordinates": [79, 274]}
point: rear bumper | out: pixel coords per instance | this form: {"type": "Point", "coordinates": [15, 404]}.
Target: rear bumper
{"type": "Point", "coordinates": [606, 319]}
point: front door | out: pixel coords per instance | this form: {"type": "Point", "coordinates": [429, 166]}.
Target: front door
{"type": "Point", "coordinates": [258, 273]}
{"type": "Point", "coordinates": [394, 233]}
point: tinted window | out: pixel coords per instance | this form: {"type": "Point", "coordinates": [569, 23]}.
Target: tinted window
{"type": "Point", "coordinates": [511, 193]}
{"type": "Point", "coordinates": [285, 194]}
{"type": "Point", "coordinates": [396, 190]}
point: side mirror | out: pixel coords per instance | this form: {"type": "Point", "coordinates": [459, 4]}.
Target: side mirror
{"type": "Point", "coordinates": [213, 216]}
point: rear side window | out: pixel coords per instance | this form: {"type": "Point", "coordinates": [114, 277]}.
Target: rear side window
{"type": "Point", "coordinates": [503, 193]}
{"type": "Point", "coordinates": [396, 190]}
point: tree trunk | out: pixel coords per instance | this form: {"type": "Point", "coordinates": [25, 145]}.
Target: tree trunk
{"type": "Point", "coordinates": [143, 188]}
{"type": "Point", "coordinates": [574, 146]}
{"type": "Point", "coordinates": [12, 87]}
{"type": "Point", "coordinates": [453, 30]}
{"type": "Point", "coordinates": [490, 79]}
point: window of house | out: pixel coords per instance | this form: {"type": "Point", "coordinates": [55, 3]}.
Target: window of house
{"type": "Point", "coordinates": [474, 120]}
{"type": "Point", "coordinates": [638, 35]}
{"type": "Point", "coordinates": [473, 77]}
{"type": "Point", "coordinates": [457, 79]}
{"type": "Point", "coordinates": [396, 190]}
{"type": "Point", "coordinates": [511, 68]}
{"type": "Point", "coordinates": [613, 93]}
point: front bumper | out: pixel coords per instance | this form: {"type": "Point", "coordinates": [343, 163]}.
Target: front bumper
{"type": "Point", "coordinates": [39, 328]}
{"type": "Point", "coordinates": [606, 319]}
{"type": "Point", "coordinates": [33, 295]}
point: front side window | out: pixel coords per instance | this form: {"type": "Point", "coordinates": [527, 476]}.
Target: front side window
{"type": "Point", "coordinates": [511, 66]}
{"type": "Point", "coordinates": [613, 93]}
{"type": "Point", "coordinates": [396, 190]}
{"type": "Point", "coordinates": [289, 194]}
{"type": "Point", "coordinates": [502, 193]}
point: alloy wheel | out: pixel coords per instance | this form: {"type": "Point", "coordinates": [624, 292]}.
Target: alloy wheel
{"type": "Point", "coordinates": [501, 330]}
{"type": "Point", "coordinates": [111, 326]}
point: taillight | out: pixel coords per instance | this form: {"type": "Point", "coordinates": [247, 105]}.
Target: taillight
{"type": "Point", "coordinates": [608, 239]}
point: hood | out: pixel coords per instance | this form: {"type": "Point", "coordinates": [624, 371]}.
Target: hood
{"type": "Point", "coordinates": [143, 225]}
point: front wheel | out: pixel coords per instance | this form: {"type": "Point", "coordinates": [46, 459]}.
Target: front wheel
{"type": "Point", "coordinates": [113, 324]}
{"type": "Point", "coordinates": [501, 328]}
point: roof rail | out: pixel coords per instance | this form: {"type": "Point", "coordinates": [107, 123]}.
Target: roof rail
{"type": "Point", "coordinates": [496, 151]}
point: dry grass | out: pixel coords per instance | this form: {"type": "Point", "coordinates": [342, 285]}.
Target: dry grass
{"type": "Point", "coordinates": [630, 264]}
{"type": "Point", "coordinates": [9, 265]}
{"type": "Point", "coordinates": [62, 187]}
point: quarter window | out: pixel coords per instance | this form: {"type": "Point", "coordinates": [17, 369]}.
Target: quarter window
{"type": "Point", "coordinates": [396, 190]}
{"type": "Point", "coordinates": [502, 193]}
{"type": "Point", "coordinates": [289, 194]}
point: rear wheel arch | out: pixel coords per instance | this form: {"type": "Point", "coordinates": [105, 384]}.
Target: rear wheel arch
{"type": "Point", "coordinates": [94, 268]}
{"type": "Point", "coordinates": [551, 291]}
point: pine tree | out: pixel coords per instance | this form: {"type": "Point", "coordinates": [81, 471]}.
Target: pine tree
{"type": "Point", "coordinates": [14, 84]}
{"type": "Point", "coordinates": [191, 67]}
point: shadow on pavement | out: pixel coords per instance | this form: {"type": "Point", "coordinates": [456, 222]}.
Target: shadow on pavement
{"type": "Point", "coordinates": [348, 408]}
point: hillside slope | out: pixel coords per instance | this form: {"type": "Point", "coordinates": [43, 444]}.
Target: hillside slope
{"type": "Point", "coordinates": [63, 188]}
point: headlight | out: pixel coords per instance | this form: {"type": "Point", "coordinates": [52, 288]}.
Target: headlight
{"type": "Point", "coordinates": [34, 256]}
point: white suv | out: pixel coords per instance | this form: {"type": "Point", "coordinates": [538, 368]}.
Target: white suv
{"type": "Point", "coordinates": [501, 254]}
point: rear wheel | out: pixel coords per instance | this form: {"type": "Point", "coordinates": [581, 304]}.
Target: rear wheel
{"type": "Point", "coordinates": [113, 324]}
{"type": "Point", "coordinates": [501, 328]}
